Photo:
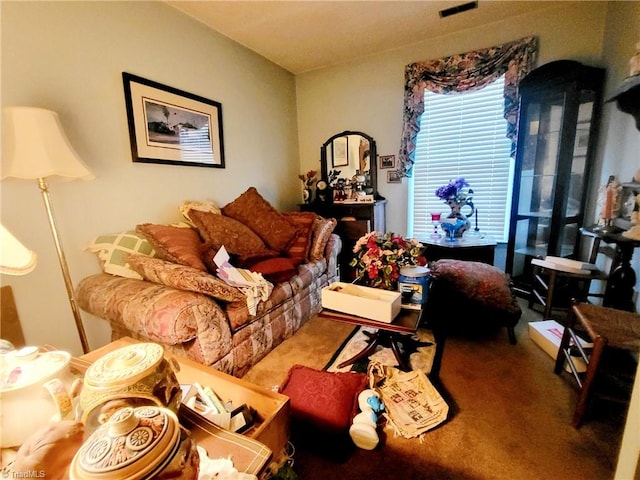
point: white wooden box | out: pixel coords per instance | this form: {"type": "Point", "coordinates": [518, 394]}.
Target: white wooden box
{"type": "Point", "coordinates": [372, 303]}
{"type": "Point", "coordinates": [547, 334]}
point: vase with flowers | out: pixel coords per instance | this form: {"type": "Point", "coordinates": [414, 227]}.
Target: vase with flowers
{"type": "Point", "coordinates": [457, 195]}
{"type": "Point", "coordinates": [307, 180]}
{"type": "Point", "coordinates": [379, 258]}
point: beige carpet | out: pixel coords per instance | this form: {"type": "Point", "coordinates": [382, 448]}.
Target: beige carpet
{"type": "Point", "coordinates": [510, 415]}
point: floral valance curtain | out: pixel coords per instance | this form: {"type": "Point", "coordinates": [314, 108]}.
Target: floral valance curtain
{"type": "Point", "coordinates": [461, 73]}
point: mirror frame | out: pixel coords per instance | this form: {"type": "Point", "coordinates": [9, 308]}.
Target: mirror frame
{"type": "Point", "coordinates": [373, 157]}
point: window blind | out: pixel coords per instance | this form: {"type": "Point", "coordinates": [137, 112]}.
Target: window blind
{"type": "Point", "coordinates": [463, 135]}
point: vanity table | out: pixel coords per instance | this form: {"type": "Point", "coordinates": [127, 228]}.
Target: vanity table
{"type": "Point", "coordinates": [350, 158]}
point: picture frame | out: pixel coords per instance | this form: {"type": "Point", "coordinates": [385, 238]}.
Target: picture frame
{"type": "Point", "coordinates": [340, 152]}
{"type": "Point", "coordinates": [170, 126]}
{"type": "Point", "coordinates": [387, 161]}
{"type": "Point", "coordinates": [394, 177]}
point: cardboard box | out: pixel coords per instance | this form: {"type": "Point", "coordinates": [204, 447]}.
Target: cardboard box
{"type": "Point", "coordinates": [547, 334]}
{"type": "Point", "coordinates": [372, 303]}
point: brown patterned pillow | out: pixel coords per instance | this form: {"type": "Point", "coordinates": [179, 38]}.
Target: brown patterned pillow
{"type": "Point", "coordinates": [255, 212]}
{"type": "Point", "coordinates": [183, 277]}
{"type": "Point", "coordinates": [299, 250]}
{"type": "Point", "coordinates": [219, 230]}
{"type": "Point", "coordinates": [322, 230]}
{"type": "Point", "coordinates": [174, 244]}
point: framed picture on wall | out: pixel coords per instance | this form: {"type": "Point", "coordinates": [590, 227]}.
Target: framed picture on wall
{"type": "Point", "coordinates": [394, 177]}
{"type": "Point", "coordinates": [170, 126]}
{"type": "Point", "coordinates": [387, 161]}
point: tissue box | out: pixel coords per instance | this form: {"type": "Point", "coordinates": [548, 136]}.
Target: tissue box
{"type": "Point", "coordinates": [547, 334]}
{"type": "Point", "coordinates": [372, 303]}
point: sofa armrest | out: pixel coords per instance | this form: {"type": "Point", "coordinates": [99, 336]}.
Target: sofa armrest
{"type": "Point", "coordinates": [190, 322]}
{"type": "Point", "coordinates": [331, 252]}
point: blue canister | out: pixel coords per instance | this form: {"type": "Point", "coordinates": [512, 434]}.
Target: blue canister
{"type": "Point", "coordinates": [413, 283]}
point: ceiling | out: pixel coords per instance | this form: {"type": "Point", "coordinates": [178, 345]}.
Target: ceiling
{"type": "Point", "coordinates": [306, 35]}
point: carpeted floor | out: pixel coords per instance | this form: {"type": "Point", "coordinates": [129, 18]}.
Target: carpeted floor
{"type": "Point", "coordinates": [509, 418]}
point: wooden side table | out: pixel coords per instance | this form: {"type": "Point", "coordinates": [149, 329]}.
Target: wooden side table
{"type": "Point", "coordinates": [481, 249]}
{"type": "Point", "coordinates": [622, 278]}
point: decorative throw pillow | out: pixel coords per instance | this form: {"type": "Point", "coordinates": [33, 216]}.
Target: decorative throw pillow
{"type": "Point", "coordinates": [299, 250]}
{"type": "Point", "coordinates": [219, 230]}
{"type": "Point", "coordinates": [322, 230]}
{"type": "Point", "coordinates": [183, 277]}
{"type": "Point", "coordinates": [255, 212]}
{"type": "Point", "coordinates": [202, 206]}
{"type": "Point", "coordinates": [326, 400]}
{"type": "Point", "coordinates": [477, 287]}
{"type": "Point", "coordinates": [113, 248]}
{"type": "Point", "coordinates": [276, 270]}
{"type": "Point", "coordinates": [175, 244]}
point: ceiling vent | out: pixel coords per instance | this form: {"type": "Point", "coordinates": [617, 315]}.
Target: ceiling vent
{"type": "Point", "coordinates": [447, 12]}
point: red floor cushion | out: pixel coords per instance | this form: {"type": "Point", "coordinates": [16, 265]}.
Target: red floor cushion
{"type": "Point", "coordinates": [326, 400]}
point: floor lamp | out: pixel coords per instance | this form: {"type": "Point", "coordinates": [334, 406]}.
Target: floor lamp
{"type": "Point", "coordinates": [35, 147]}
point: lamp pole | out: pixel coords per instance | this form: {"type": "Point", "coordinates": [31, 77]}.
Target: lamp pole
{"type": "Point", "coordinates": [44, 189]}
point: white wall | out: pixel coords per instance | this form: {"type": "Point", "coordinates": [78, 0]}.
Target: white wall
{"type": "Point", "coordinates": [68, 57]}
{"type": "Point", "coordinates": [368, 95]}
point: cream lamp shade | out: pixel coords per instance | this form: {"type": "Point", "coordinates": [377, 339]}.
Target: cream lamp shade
{"type": "Point", "coordinates": [35, 146]}
{"type": "Point", "coordinates": [15, 258]}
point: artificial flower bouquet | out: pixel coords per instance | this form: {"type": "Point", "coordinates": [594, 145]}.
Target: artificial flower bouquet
{"type": "Point", "coordinates": [379, 258]}
{"type": "Point", "coordinates": [308, 178]}
{"type": "Point", "coordinates": [456, 191]}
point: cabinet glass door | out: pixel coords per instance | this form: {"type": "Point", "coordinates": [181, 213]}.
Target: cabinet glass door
{"type": "Point", "coordinates": [559, 111]}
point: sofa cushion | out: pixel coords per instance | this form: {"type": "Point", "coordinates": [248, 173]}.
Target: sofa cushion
{"type": "Point", "coordinates": [299, 249]}
{"type": "Point", "coordinates": [219, 230]}
{"type": "Point", "coordinates": [183, 277]}
{"type": "Point", "coordinates": [276, 270]}
{"type": "Point", "coordinates": [322, 230]}
{"type": "Point", "coordinates": [202, 206]}
{"type": "Point", "coordinates": [113, 248]}
{"type": "Point", "coordinates": [326, 400]}
{"type": "Point", "coordinates": [259, 215]}
{"type": "Point", "coordinates": [238, 312]}
{"type": "Point", "coordinates": [174, 244]}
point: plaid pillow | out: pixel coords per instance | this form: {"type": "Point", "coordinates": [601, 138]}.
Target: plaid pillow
{"type": "Point", "coordinates": [112, 250]}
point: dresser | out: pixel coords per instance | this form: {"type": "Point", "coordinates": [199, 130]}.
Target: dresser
{"type": "Point", "coordinates": [354, 220]}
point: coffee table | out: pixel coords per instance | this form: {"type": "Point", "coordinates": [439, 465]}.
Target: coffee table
{"type": "Point", "coordinates": [394, 335]}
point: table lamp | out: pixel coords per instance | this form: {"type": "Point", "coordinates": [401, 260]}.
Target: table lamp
{"type": "Point", "coordinates": [15, 258]}
{"type": "Point", "coordinates": [35, 147]}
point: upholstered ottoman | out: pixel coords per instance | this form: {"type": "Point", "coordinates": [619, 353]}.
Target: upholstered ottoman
{"type": "Point", "coordinates": [471, 296]}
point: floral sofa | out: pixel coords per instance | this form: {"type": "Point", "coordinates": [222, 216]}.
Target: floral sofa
{"type": "Point", "coordinates": [159, 282]}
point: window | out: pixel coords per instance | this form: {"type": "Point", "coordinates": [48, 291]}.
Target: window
{"type": "Point", "coordinates": [463, 135]}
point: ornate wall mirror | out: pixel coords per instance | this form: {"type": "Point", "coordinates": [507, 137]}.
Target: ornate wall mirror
{"type": "Point", "coordinates": [353, 154]}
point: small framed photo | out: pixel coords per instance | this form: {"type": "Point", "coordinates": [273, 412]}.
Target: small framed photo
{"type": "Point", "coordinates": [394, 177]}
{"type": "Point", "coordinates": [387, 161]}
{"type": "Point", "coordinates": [170, 126]}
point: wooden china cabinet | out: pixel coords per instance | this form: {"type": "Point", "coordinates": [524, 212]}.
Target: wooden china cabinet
{"type": "Point", "coordinates": [560, 107]}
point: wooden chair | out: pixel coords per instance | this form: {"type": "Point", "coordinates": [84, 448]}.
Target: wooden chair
{"type": "Point", "coordinates": [615, 335]}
